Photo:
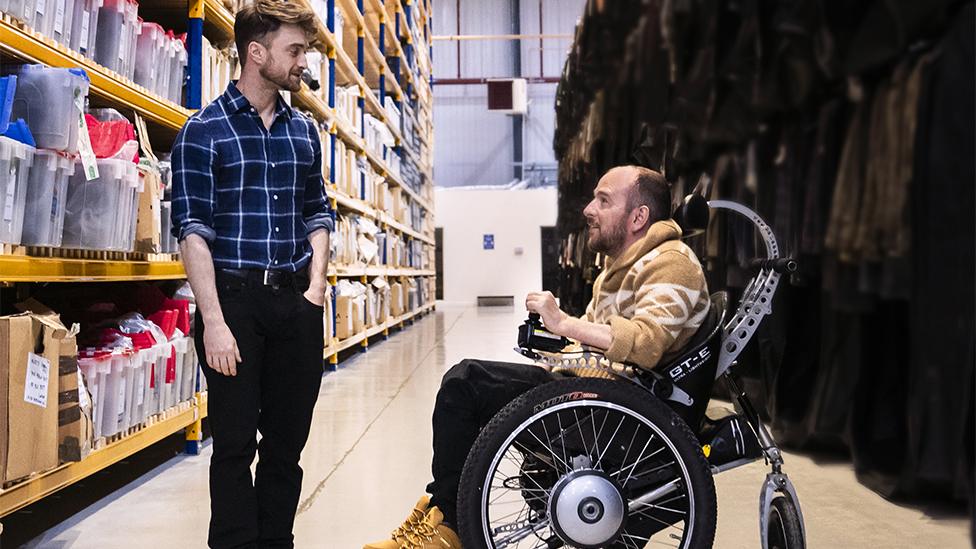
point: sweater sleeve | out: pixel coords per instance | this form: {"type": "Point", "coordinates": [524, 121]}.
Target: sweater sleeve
{"type": "Point", "coordinates": [668, 288]}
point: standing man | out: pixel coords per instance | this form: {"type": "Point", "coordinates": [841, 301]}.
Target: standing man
{"type": "Point", "coordinates": [251, 215]}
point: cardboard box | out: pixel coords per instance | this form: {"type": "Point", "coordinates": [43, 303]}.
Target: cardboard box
{"type": "Point", "coordinates": [357, 316]}
{"type": "Point", "coordinates": [29, 357]}
{"type": "Point", "coordinates": [148, 222]}
{"type": "Point", "coordinates": [396, 299]}
{"type": "Point", "coordinates": [344, 316]}
{"type": "Point", "coordinates": [75, 429]}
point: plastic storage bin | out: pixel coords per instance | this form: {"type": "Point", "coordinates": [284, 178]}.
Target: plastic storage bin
{"type": "Point", "coordinates": [96, 370]}
{"type": "Point", "coordinates": [22, 10]}
{"type": "Point", "coordinates": [46, 190]}
{"type": "Point", "coordinates": [177, 71]}
{"type": "Point", "coordinates": [150, 55]}
{"type": "Point", "coordinates": [95, 210]}
{"type": "Point", "coordinates": [84, 26]}
{"type": "Point", "coordinates": [15, 162]}
{"type": "Point", "coordinates": [118, 24]}
{"type": "Point", "coordinates": [45, 99]}
{"type": "Point", "coordinates": [64, 12]}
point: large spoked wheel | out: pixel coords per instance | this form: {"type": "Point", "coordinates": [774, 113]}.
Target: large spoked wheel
{"type": "Point", "coordinates": [785, 531]}
{"type": "Point", "coordinates": [586, 463]}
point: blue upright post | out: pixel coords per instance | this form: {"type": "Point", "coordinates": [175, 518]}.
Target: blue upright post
{"type": "Point", "coordinates": [194, 46]}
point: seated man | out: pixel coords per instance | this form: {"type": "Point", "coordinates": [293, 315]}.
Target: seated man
{"type": "Point", "coordinates": [647, 304]}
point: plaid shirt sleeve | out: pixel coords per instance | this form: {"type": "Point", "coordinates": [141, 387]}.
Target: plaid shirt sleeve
{"type": "Point", "coordinates": [194, 159]}
{"type": "Point", "coordinates": [316, 211]}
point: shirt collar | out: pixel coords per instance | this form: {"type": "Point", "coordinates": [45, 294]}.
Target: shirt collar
{"type": "Point", "coordinates": [237, 102]}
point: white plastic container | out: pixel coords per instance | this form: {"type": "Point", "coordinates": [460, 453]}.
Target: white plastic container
{"type": "Point", "coordinates": [46, 190]}
{"type": "Point", "coordinates": [96, 209]}
{"type": "Point", "coordinates": [96, 371]}
{"type": "Point", "coordinates": [150, 53]}
{"type": "Point", "coordinates": [15, 162]}
{"type": "Point", "coordinates": [22, 10]}
{"type": "Point", "coordinates": [64, 12]}
{"type": "Point", "coordinates": [84, 26]}
{"type": "Point", "coordinates": [115, 393]}
{"type": "Point", "coordinates": [177, 70]}
{"type": "Point", "coordinates": [45, 99]}
{"type": "Point", "coordinates": [114, 32]}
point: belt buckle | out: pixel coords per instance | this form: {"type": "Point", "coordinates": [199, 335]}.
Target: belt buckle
{"type": "Point", "coordinates": [267, 276]}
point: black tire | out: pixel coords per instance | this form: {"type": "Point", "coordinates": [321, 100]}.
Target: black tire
{"type": "Point", "coordinates": [785, 531]}
{"type": "Point", "coordinates": [576, 394]}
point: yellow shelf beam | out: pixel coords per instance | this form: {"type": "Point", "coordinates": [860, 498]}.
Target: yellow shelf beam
{"type": "Point", "coordinates": [23, 268]}
{"type": "Point", "coordinates": [219, 17]}
{"type": "Point", "coordinates": [21, 495]}
{"type": "Point", "coordinates": [25, 44]}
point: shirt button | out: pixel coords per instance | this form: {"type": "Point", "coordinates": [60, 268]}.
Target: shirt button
{"type": "Point", "coordinates": [276, 197]}
{"type": "Point", "coordinates": [276, 229]}
{"type": "Point", "coordinates": [275, 261]}
{"type": "Point", "coordinates": [273, 164]}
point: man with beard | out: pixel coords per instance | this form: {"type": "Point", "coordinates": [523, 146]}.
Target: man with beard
{"type": "Point", "coordinates": [250, 211]}
{"type": "Point", "coordinates": [647, 305]}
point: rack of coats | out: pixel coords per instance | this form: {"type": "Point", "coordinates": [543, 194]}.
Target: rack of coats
{"type": "Point", "coordinates": [849, 128]}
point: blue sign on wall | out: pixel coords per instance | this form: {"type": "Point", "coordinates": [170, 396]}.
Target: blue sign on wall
{"type": "Point", "coordinates": [489, 242]}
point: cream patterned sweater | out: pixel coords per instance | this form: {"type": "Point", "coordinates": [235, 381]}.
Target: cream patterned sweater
{"type": "Point", "coordinates": [654, 297]}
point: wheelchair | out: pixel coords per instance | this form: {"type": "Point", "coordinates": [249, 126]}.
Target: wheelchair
{"type": "Point", "coordinates": [628, 462]}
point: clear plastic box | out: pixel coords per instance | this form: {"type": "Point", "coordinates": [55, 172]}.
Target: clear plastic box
{"type": "Point", "coordinates": [96, 371]}
{"type": "Point", "coordinates": [64, 12]}
{"type": "Point", "coordinates": [46, 190]}
{"type": "Point", "coordinates": [114, 390]}
{"type": "Point", "coordinates": [130, 36]}
{"type": "Point", "coordinates": [177, 71]}
{"type": "Point", "coordinates": [45, 99]}
{"type": "Point", "coordinates": [150, 53]}
{"type": "Point", "coordinates": [111, 41]}
{"type": "Point", "coordinates": [84, 26]}
{"type": "Point", "coordinates": [96, 209]}
{"type": "Point", "coordinates": [22, 10]}
{"type": "Point", "coordinates": [15, 162]}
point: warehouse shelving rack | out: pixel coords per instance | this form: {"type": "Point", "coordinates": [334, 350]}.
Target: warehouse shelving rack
{"type": "Point", "coordinates": [384, 33]}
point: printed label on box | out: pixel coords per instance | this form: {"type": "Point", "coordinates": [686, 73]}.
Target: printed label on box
{"type": "Point", "coordinates": [38, 377]}
{"type": "Point", "coordinates": [140, 387]}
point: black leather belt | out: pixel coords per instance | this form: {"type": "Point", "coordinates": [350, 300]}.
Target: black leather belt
{"type": "Point", "coordinates": [260, 277]}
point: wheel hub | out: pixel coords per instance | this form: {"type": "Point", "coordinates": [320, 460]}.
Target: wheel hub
{"type": "Point", "coordinates": [587, 509]}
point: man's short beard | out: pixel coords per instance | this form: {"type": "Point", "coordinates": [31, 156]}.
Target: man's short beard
{"type": "Point", "coordinates": [608, 242]}
{"type": "Point", "coordinates": [283, 81]}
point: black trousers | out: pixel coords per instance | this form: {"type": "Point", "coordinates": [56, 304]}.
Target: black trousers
{"type": "Point", "coordinates": [280, 337]}
{"type": "Point", "coordinates": [471, 393]}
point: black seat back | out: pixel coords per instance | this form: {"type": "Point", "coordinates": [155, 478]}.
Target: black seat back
{"type": "Point", "coordinates": [693, 371]}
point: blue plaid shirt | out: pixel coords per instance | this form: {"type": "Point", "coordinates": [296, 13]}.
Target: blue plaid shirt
{"type": "Point", "coordinates": [253, 194]}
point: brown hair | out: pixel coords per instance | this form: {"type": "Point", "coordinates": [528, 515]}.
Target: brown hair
{"type": "Point", "coordinates": [261, 17]}
{"type": "Point", "coordinates": [651, 190]}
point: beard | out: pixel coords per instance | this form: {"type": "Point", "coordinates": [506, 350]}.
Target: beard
{"type": "Point", "coordinates": [281, 77]}
{"type": "Point", "coordinates": [606, 239]}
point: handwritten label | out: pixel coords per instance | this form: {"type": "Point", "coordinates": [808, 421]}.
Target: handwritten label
{"type": "Point", "coordinates": [38, 377]}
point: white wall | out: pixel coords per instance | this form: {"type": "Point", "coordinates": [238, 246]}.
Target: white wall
{"type": "Point", "coordinates": [515, 218]}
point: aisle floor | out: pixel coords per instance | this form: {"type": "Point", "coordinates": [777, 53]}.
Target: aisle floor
{"type": "Point", "coordinates": [368, 459]}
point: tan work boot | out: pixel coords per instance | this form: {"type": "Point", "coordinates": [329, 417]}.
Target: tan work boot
{"type": "Point", "coordinates": [399, 536]}
{"type": "Point", "coordinates": [431, 533]}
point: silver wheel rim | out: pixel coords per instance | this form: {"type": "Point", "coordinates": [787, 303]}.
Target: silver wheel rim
{"type": "Point", "coordinates": [526, 529]}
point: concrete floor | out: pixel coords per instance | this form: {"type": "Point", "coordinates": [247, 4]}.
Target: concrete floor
{"type": "Point", "coordinates": [368, 460]}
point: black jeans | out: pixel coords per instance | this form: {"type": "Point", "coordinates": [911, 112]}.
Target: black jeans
{"type": "Point", "coordinates": [280, 337]}
{"type": "Point", "coordinates": [471, 393]}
